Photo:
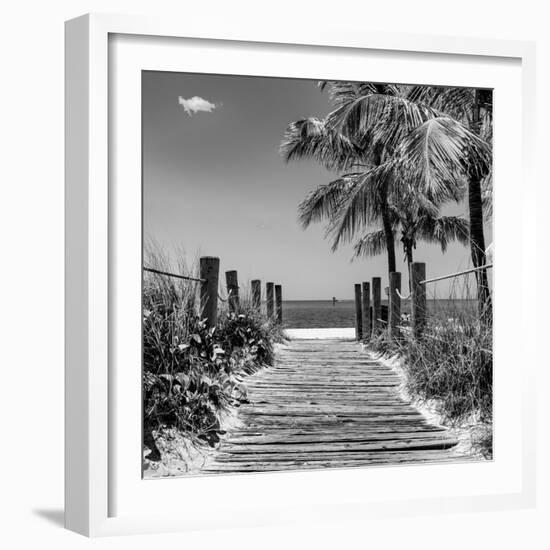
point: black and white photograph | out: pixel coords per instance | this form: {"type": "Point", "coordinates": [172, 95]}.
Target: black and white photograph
{"type": "Point", "coordinates": [317, 274]}
{"type": "Point", "coordinates": [250, 292]}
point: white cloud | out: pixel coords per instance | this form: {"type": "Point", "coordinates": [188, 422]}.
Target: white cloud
{"type": "Point", "coordinates": [195, 104]}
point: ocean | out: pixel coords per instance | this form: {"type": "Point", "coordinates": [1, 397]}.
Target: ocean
{"type": "Point", "coordinates": [323, 314]}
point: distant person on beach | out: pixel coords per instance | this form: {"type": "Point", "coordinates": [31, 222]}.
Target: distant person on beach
{"type": "Point", "coordinates": [334, 300]}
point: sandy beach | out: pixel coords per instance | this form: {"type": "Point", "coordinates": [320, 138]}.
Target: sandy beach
{"type": "Point", "coordinates": [320, 333]}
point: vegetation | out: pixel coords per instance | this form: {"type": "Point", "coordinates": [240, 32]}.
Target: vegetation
{"type": "Point", "coordinates": [192, 374]}
{"type": "Point", "coordinates": [412, 227]}
{"type": "Point", "coordinates": [474, 109]}
{"type": "Point", "coordinates": [450, 367]}
{"type": "Point", "coordinates": [402, 153]}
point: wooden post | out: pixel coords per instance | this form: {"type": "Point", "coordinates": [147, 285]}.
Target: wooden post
{"type": "Point", "coordinates": [395, 304]}
{"type": "Point", "coordinates": [376, 304]}
{"type": "Point", "coordinates": [358, 313]}
{"type": "Point", "coordinates": [279, 303]}
{"type": "Point", "coordinates": [209, 272]}
{"type": "Point", "coordinates": [418, 298]}
{"type": "Point", "coordinates": [269, 299]}
{"type": "Point", "coordinates": [366, 310]}
{"type": "Point", "coordinates": [384, 315]}
{"type": "Point", "coordinates": [256, 293]}
{"type": "Point", "coordinates": [232, 283]}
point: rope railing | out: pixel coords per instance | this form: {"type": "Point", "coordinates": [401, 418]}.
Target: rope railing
{"type": "Point", "coordinates": [465, 272]}
{"type": "Point", "coordinates": [230, 293]}
{"type": "Point", "coordinates": [479, 268]}
{"type": "Point", "coordinates": [369, 323]}
{"type": "Point", "coordinates": [177, 276]}
{"type": "Point", "coordinates": [210, 290]}
{"type": "Point", "coordinates": [401, 295]}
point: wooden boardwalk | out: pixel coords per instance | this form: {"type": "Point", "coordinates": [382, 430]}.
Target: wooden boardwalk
{"type": "Point", "coordinates": [326, 404]}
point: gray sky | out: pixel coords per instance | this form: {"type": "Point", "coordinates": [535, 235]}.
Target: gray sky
{"type": "Point", "coordinates": [214, 184]}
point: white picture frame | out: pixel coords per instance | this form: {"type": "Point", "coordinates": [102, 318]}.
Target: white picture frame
{"type": "Point", "coordinates": [91, 219]}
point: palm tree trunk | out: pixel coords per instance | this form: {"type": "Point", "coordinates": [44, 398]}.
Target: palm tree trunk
{"type": "Point", "coordinates": [477, 244]}
{"type": "Point", "coordinates": [388, 233]}
{"type": "Point", "coordinates": [386, 219]}
{"type": "Point", "coordinates": [477, 238]}
{"type": "Point", "coordinates": [409, 256]}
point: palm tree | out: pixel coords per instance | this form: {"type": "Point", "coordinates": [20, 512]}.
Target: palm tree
{"type": "Point", "coordinates": [410, 228]}
{"type": "Point", "coordinates": [364, 147]}
{"type": "Point", "coordinates": [313, 139]}
{"type": "Point", "coordinates": [375, 117]}
{"type": "Point", "coordinates": [439, 156]}
{"type": "Point", "coordinates": [411, 218]}
{"type": "Point", "coordinates": [473, 108]}
{"type": "Point", "coordinates": [397, 140]}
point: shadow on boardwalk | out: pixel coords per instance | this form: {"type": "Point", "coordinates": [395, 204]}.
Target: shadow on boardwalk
{"type": "Point", "coordinates": [327, 404]}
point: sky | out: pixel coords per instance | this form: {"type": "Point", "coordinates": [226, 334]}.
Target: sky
{"type": "Point", "coordinates": [214, 184]}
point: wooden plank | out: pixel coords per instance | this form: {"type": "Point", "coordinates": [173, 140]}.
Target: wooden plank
{"type": "Point", "coordinates": [267, 452]}
{"type": "Point", "coordinates": [418, 441]}
{"type": "Point", "coordinates": [381, 459]}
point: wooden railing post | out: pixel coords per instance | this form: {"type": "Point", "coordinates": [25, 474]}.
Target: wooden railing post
{"type": "Point", "coordinates": [370, 319]}
{"type": "Point", "coordinates": [209, 273]}
{"type": "Point", "coordinates": [376, 304]}
{"type": "Point", "coordinates": [358, 313]}
{"type": "Point", "coordinates": [395, 304]}
{"type": "Point", "coordinates": [279, 303]}
{"type": "Point", "coordinates": [418, 298]}
{"type": "Point", "coordinates": [366, 310]}
{"type": "Point", "coordinates": [269, 299]}
{"type": "Point", "coordinates": [256, 294]}
{"type": "Point", "coordinates": [232, 283]}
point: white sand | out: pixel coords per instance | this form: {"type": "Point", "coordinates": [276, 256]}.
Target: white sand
{"type": "Point", "coordinates": [464, 431]}
{"type": "Point", "coordinates": [320, 333]}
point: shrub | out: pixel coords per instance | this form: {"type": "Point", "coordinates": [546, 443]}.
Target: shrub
{"type": "Point", "coordinates": [452, 363]}
{"type": "Point", "coordinates": [193, 374]}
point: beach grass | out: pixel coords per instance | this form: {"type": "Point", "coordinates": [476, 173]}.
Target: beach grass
{"type": "Point", "coordinates": [193, 374]}
{"type": "Point", "coordinates": [450, 366]}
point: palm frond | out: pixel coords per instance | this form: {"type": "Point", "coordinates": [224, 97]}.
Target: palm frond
{"type": "Point", "coordinates": [457, 103]}
{"type": "Point", "coordinates": [443, 230]}
{"type": "Point", "coordinates": [310, 138]}
{"type": "Point", "coordinates": [362, 205]}
{"type": "Point", "coordinates": [322, 202]}
{"type": "Point", "coordinates": [370, 244]}
{"type": "Point", "coordinates": [487, 195]}
{"type": "Point", "coordinates": [436, 157]}
{"type": "Point", "coordinates": [422, 94]}
{"type": "Point", "coordinates": [378, 119]}
{"type": "Point", "coordinates": [409, 203]}
{"type": "Point", "coordinates": [344, 92]}
{"type": "Point", "coordinates": [486, 130]}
